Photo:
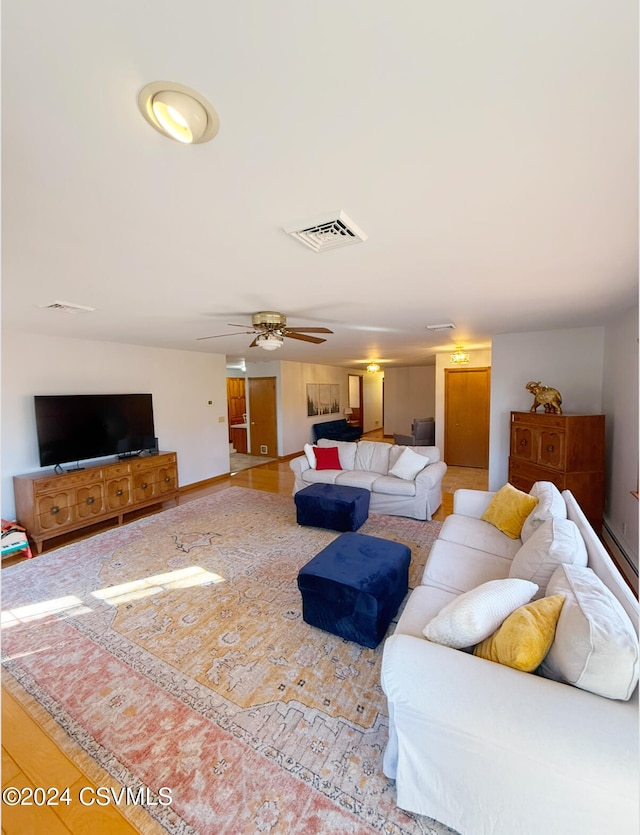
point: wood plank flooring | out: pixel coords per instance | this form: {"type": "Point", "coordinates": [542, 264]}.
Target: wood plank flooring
{"type": "Point", "coordinates": [30, 758]}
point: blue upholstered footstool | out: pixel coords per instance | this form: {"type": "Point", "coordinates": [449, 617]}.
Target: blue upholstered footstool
{"type": "Point", "coordinates": [354, 587]}
{"type": "Point", "coordinates": [332, 506]}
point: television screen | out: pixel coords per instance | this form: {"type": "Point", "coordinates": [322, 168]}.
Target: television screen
{"type": "Point", "coordinates": [74, 427]}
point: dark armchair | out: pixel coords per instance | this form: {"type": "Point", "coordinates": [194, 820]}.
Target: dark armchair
{"type": "Point", "coordinates": [423, 433]}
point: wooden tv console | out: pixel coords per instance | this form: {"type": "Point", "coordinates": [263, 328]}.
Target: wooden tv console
{"type": "Point", "coordinates": [49, 503]}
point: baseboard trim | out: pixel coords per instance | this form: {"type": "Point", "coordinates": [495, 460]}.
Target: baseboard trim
{"type": "Point", "coordinates": [619, 556]}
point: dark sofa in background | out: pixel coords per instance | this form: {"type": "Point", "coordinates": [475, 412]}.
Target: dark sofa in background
{"type": "Point", "coordinates": [336, 430]}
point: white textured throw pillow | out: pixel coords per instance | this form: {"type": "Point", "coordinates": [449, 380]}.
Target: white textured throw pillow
{"type": "Point", "coordinates": [553, 543]}
{"type": "Point", "coordinates": [409, 464]}
{"type": "Point", "coordinates": [595, 646]}
{"type": "Point", "coordinates": [550, 506]}
{"type": "Point", "coordinates": [477, 613]}
{"type": "Point", "coordinates": [311, 456]}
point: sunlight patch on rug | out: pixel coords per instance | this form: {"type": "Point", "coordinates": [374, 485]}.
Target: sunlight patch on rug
{"type": "Point", "coordinates": [181, 659]}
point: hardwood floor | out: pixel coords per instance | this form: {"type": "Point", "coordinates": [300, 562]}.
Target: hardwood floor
{"type": "Point", "coordinates": [30, 758]}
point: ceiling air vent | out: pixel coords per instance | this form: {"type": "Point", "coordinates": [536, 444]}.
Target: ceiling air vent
{"type": "Point", "coordinates": [67, 307]}
{"type": "Point", "coordinates": [447, 326]}
{"type": "Point", "coordinates": [328, 232]}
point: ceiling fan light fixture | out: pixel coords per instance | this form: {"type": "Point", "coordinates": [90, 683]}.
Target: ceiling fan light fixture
{"type": "Point", "coordinates": [178, 112]}
{"type": "Point", "coordinates": [269, 341]}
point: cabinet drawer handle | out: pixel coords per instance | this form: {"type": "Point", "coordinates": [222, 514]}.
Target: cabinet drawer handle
{"type": "Point", "coordinates": [55, 510]}
{"type": "Point", "coordinates": [167, 480]}
{"type": "Point", "coordinates": [523, 443]}
{"type": "Point", "coordinates": [119, 492]}
{"type": "Point", "coordinates": [144, 485]}
{"type": "Point", "coordinates": [90, 500]}
{"type": "Point", "coordinates": [550, 448]}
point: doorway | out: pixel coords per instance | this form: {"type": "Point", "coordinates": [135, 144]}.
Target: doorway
{"type": "Point", "coordinates": [355, 401]}
{"type": "Point", "coordinates": [263, 434]}
{"type": "Point", "coordinates": [466, 416]}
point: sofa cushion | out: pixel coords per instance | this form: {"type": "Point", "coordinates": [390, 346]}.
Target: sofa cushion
{"type": "Point", "coordinates": [320, 476]}
{"type": "Point", "coordinates": [420, 607]}
{"type": "Point", "coordinates": [327, 459]}
{"type": "Point", "coordinates": [525, 636]}
{"type": "Point", "coordinates": [357, 478]}
{"type": "Point", "coordinates": [550, 505]}
{"type": "Point", "coordinates": [346, 451]}
{"type": "Point", "coordinates": [596, 645]}
{"type": "Point", "coordinates": [372, 457]}
{"type": "Point", "coordinates": [408, 465]}
{"type": "Point", "coordinates": [474, 615]}
{"type": "Point", "coordinates": [465, 530]}
{"type": "Point", "coordinates": [393, 486]}
{"type": "Point", "coordinates": [552, 543]}
{"type": "Point", "coordinates": [459, 568]}
{"type": "Point", "coordinates": [508, 509]}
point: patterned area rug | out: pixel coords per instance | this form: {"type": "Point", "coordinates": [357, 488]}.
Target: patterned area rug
{"type": "Point", "coordinates": [172, 653]}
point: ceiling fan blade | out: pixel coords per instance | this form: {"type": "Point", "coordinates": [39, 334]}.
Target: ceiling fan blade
{"type": "Point", "coordinates": [231, 325]}
{"type": "Point", "coordinates": [304, 338]}
{"type": "Point", "coordinates": [219, 335]}
{"type": "Point", "coordinates": [308, 330]}
{"type": "Point", "coordinates": [254, 343]}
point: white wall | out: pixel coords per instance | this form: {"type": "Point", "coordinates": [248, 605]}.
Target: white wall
{"type": "Point", "coordinates": [292, 413]}
{"type": "Point", "coordinates": [620, 404]}
{"type": "Point", "coordinates": [409, 393]}
{"type": "Point", "coordinates": [181, 382]}
{"type": "Point", "coordinates": [570, 360]}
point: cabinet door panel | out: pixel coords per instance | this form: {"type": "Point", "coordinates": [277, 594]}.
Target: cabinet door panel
{"type": "Point", "coordinates": [551, 450]}
{"type": "Point", "coordinates": [90, 501]}
{"type": "Point", "coordinates": [55, 510]}
{"type": "Point", "coordinates": [144, 485]}
{"type": "Point", "coordinates": [118, 493]}
{"type": "Point", "coordinates": [167, 479]}
{"type": "Point", "coordinates": [522, 443]}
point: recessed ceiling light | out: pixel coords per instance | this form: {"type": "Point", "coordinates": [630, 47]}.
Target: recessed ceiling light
{"type": "Point", "coordinates": [178, 112]}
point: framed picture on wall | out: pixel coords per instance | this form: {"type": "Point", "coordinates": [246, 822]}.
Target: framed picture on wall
{"type": "Point", "coordinates": [323, 399]}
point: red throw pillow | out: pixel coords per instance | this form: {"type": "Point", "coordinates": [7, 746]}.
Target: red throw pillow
{"type": "Point", "coordinates": [327, 458]}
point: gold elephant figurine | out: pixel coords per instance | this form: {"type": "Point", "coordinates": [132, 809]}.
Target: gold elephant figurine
{"type": "Point", "coordinates": [545, 396]}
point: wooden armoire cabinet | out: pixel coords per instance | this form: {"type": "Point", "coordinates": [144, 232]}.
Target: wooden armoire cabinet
{"type": "Point", "coordinates": [567, 450]}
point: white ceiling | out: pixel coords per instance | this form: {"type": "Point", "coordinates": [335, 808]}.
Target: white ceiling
{"type": "Point", "coordinates": [489, 150]}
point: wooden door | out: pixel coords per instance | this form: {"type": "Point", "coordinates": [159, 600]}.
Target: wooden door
{"type": "Point", "coordinates": [466, 405]}
{"type": "Point", "coordinates": [263, 416]}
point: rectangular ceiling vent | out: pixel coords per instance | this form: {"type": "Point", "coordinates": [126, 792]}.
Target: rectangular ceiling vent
{"type": "Point", "coordinates": [328, 232]}
{"type": "Point", "coordinates": [67, 307]}
{"type": "Point", "coordinates": [446, 326]}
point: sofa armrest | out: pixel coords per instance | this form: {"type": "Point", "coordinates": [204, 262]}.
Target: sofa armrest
{"type": "Point", "coordinates": [430, 476]}
{"type": "Point", "coordinates": [491, 733]}
{"type": "Point", "coordinates": [299, 465]}
{"type": "Point", "coordinates": [471, 502]}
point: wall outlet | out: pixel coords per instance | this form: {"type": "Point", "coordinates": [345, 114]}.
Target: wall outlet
{"type": "Point", "coordinates": [221, 419]}
{"type": "Point", "coordinates": [624, 529]}
{"type": "Point", "coordinates": [377, 422]}
{"type": "Point", "coordinates": [264, 450]}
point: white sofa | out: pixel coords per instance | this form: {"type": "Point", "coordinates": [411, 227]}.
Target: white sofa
{"type": "Point", "coordinates": [367, 464]}
{"type": "Point", "coordinates": [485, 748]}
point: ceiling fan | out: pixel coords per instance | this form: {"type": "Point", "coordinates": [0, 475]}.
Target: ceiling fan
{"type": "Point", "coordinates": [270, 329]}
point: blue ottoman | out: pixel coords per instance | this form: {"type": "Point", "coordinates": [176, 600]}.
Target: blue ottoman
{"type": "Point", "coordinates": [332, 506]}
{"type": "Point", "coordinates": [354, 587]}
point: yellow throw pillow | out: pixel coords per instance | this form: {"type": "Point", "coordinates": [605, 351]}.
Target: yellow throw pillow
{"type": "Point", "coordinates": [526, 635]}
{"type": "Point", "coordinates": [508, 510]}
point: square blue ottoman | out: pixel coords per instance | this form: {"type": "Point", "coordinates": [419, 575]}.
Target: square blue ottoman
{"type": "Point", "coordinates": [354, 586]}
{"type": "Point", "coordinates": [332, 506]}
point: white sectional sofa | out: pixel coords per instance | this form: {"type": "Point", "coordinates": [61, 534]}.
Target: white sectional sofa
{"type": "Point", "coordinates": [486, 748]}
{"type": "Point", "coordinates": [372, 465]}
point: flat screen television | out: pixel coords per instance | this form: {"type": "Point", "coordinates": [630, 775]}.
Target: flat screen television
{"type": "Point", "coordinates": [75, 427]}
